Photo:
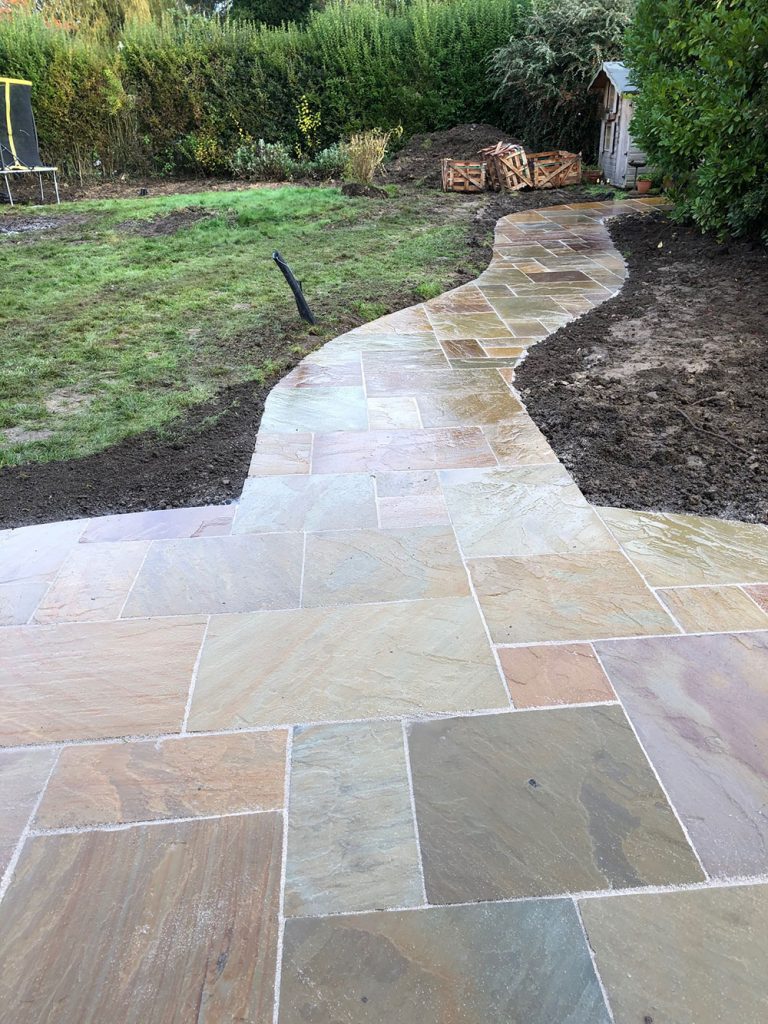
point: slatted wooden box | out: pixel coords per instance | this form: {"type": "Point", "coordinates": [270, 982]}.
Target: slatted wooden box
{"type": "Point", "coordinates": [463, 175]}
{"type": "Point", "coordinates": [555, 168]}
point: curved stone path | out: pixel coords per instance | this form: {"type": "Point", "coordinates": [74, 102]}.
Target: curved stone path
{"type": "Point", "coordinates": [411, 734]}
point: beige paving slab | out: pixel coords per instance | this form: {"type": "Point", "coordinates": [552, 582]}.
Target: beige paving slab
{"type": "Point", "coordinates": [218, 574]}
{"type": "Point", "coordinates": [193, 776]}
{"type": "Point", "coordinates": [351, 839]}
{"type": "Point", "coordinates": [759, 595]}
{"type": "Point", "coordinates": [405, 321]}
{"type": "Point", "coordinates": [401, 381]}
{"type": "Point", "coordinates": [688, 957]}
{"type": "Point", "coordinates": [207, 521]}
{"type": "Point", "coordinates": [393, 413]}
{"type": "Point", "coordinates": [22, 777]}
{"type": "Point", "coordinates": [164, 923]}
{"type": "Point", "coordinates": [94, 680]}
{"type": "Point", "coordinates": [92, 583]}
{"type": "Point", "coordinates": [522, 511]}
{"type": "Point", "coordinates": [446, 410]}
{"type": "Point", "coordinates": [554, 674]}
{"type": "Point", "coordinates": [400, 450]}
{"type": "Point", "coordinates": [359, 661]}
{"type": "Point", "coordinates": [281, 454]}
{"type": "Point", "coordinates": [36, 552]}
{"type": "Point", "coordinates": [448, 326]}
{"type": "Point", "coordinates": [418, 483]}
{"type": "Point", "coordinates": [713, 609]}
{"type": "Point", "coordinates": [565, 597]}
{"type": "Point", "coordinates": [313, 375]}
{"type": "Point", "coordinates": [326, 502]}
{"type": "Point", "coordinates": [700, 707]}
{"type": "Point", "coordinates": [467, 299]}
{"type": "Point", "coordinates": [357, 566]}
{"type": "Point", "coordinates": [19, 598]}
{"type": "Point", "coordinates": [301, 410]}
{"type": "Point", "coordinates": [407, 359]}
{"type": "Point", "coordinates": [518, 441]}
{"type": "Point", "coordinates": [673, 550]}
{"type": "Point", "coordinates": [413, 511]}
{"type": "Point", "coordinates": [381, 340]}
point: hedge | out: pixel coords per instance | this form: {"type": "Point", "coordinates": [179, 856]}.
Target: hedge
{"type": "Point", "coordinates": [702, 110]}
{"type": "Point", "coordinates": [178, 96]}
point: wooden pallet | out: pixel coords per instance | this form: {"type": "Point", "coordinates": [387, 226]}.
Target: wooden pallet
{"type": "Point", "coordinates": [555, 168]}
{"type": "Point", "coordinates": [463, 176]}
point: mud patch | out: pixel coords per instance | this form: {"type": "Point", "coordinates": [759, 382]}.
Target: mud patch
{"type": "Point", "coordinates": [168, 223]}
{"type": "Point", "coordinates": [658, 399]}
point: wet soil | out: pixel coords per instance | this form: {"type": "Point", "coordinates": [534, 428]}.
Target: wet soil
{"type": "Point", "coordinates": [658, 399]}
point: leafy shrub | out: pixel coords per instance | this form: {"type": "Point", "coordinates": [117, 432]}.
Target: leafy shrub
{"type": "Point", "coordinates": [365, 154]}
{"type": "Point", "coordinates": [702, 111]}
{"type": "Point", "coordinates": [330, 162]}
{"type": "Point", "coordinates": [543, 71]}
{"type": "Point", "coordinates": [257, 160]}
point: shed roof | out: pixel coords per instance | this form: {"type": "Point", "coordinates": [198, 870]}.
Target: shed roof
{"type": "Point", "coordinates": [618, 74]}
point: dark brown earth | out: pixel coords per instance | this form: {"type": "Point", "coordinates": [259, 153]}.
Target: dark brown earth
{"type": "Point", "coordinates": [418, 162]}
{"type": "Point", "coordinates": [204, 458]}
{"type": "Point", "coordinates": [658, 399]}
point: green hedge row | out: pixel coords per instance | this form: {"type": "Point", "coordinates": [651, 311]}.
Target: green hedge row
{"type": "Point", "coordinates": [177, 97]}
{"type": "Point", "coordinates": [702, 110]}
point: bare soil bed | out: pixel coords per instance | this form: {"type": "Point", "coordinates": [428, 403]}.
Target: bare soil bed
{"type": "Point", "coordinates": [658, 399]}
{"type": "Point", "coordinates": [418, 162]}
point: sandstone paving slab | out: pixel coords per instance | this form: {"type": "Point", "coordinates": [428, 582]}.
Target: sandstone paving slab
{"type": "Point", "coordinates": [554, 674]}
{"type": "Point", "coordinates": [565, 597]}
{"type": "Point", "coordinates": [351, 839]}
{"type": "Point", "coordinates": [22, 777]}
{"type": "Point", "coordinates": [689, 957]}
{"type": "Point", "coordinates": [393, 413]}
{"type": "Point", "coordinates": [313, 375]}
{"type": "Point", "coordinates": [713, 609]}
{"type": "Point", "coordinates": [398, 450]}
{"type": "Point", "coordinates": [19, 598]}
{"type": "Point", "coordinates": [281, 455]}
{"type": "Point", "coordinates": [522, 511]}
{"type": "Point", "coordinates": [190, 777]}
{"type": "Point", "coordinates": [207, 521]}
{"type": "Point", "coordinates": [700, 707]}
{"type": "Point", "coordinates": [448, 326]}
{"type": "Point", "coordinates": [413, 510]}
{"type": "Point", "coordinates": [673, 550]}
{"type": "Point", "coordinates": [403, 381]}
{"type": "Point", "coordinates": [541, 803]}
{"type": "Point", "coordinates": [215, 575]}
{"type": "Point", "coordinates": [96, 680]}
{"type": "Point", "coordinates": [408, 484]}
{"type": "Point", "coordinates": [759, 595]}
{"type": "Point", "coordinates": [298, 410]}
{"type": "Point", "coordinates": [358, 566]}
{"type": "Point", "coordinates": [36, 552]}
{"type": "Point", "coordinates": [439, 410]}
{"type": "Point", "coordinates": [490, 964]}
{"type": "Point", "coordinates": [162, 923]}
{"type": "Point", "coordinates": [518, 441]}
{"type": "Point", "coordinates": [412, 360]}
{"type": "Point", "coordinates": [327, 502]}
{"type": "Point", "coordinates": [381, 340]}
{"type": "Point", "coordinates": [93, 583]}
{"type": "Point", "coordinates": [358, 661]}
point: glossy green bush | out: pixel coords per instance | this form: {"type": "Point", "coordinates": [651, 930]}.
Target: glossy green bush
{"type": "Point", "coordinates": [702, 111]}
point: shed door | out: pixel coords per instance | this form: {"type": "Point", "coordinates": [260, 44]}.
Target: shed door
{"type": "Point", "coordinates": [622, 150]}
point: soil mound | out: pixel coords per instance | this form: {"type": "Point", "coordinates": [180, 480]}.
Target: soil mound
{"type": "Point", "coordinates": [419, 160]}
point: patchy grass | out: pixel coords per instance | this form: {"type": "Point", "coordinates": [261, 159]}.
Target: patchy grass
{"type": "Point", "coordinates": [125, 313]}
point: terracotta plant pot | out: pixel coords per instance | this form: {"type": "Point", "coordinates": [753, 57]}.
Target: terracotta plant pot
{"type": "Point", "coordinates": [644, 185]}
{"type": "Point", "coordinates": [592, 177]}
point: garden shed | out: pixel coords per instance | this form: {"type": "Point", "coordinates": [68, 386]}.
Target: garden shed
{"type": "Point", "coordinates": [619, 156]}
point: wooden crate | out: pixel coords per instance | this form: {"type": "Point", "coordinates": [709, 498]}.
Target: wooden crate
{"type": "Point", "coordinates": [463, 176]}
{"type": "Point", "coordinates": [554, 169]}
{"type": "Point", "coordinates": [507, 167]}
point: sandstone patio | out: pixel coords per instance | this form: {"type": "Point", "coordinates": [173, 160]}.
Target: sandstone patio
{"type": "Point", "coordinates": [411, 733]}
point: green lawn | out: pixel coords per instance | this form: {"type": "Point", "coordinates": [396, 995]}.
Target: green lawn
{"type": "Point", "coordinates": [105, 332]}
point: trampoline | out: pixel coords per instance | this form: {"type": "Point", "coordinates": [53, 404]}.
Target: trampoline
{"type": "Point", "coordinates": [19, 151]}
